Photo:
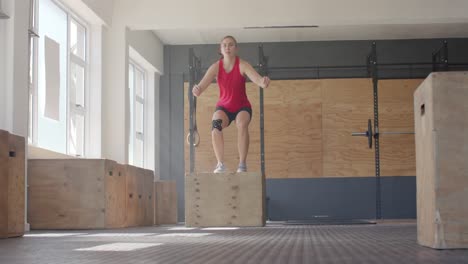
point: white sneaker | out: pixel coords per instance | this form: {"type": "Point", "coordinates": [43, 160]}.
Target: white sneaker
{"type": "Point", "coordinates": [220, 168]}
{"type": "Point", "coordinates": [242, 168]}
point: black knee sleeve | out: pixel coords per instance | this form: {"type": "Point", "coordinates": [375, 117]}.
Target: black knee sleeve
{"type": "Point", "coordinates": [217, 124]}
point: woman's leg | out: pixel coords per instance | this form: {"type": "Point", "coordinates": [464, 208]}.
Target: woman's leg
{"type": "Point", "coordinates": [242, 123]}
{"type": "Point", "coordinates": [219, 122]}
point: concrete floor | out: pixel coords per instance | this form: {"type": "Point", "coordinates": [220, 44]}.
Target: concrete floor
{"type": "Point", "coordinates": [387, 242]}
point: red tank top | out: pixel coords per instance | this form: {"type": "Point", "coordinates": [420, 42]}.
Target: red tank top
{"type": "Point", "coordinates": [232, 95]}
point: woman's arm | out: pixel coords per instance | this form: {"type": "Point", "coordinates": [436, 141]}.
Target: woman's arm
{"type": "Point", "coordinates": [210, 75]}
{"type": "Point", "coordinates": [248, 70]}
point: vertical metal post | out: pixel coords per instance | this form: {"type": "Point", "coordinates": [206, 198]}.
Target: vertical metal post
{"type": "Point", "coordinates": [440, 57]}
{"type": "Point", "coordinates": [191, 107]}
{"type": "Point", "coordinates": [263, 71]}
{"type": "Point", "coordinates": [372, 63]}
{"type": "Point", "coordinates": [445, 47]}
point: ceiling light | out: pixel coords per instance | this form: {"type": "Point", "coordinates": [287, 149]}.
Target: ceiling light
{"type": "Point", "coordinates": [287, 27]}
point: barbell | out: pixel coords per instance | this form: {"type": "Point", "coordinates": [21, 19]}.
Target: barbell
{"type": "Point", "coordinates": [370, 134]}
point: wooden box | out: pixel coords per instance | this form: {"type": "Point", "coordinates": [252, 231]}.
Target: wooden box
{"type": "Point", "coordinates": [76, 194]}
{"type": "Point", "coordinates": [12, 185]}
{"type": "Point", "coordinates": [165, 203]}
{"type": "Point", "coordinates": [149, 198]}
{"type": "Point", "coordinates": [139, 196]}
{"type": "Point", "coordinates": [227, 199]}
{"type": "Point", "coordinates": [440, 111]}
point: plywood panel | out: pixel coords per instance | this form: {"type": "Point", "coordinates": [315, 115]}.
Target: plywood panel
{"type": "Point", "coordinates": [239, 199]}
{"type": "Point", "coordinates": [132, 196]}
{"type": "Point", "coordinates": [276, 130]}
{"type": "Point", "coordinates": [149, 198]}
{"type": "Point", "coordinates": [396, 114]}
{"type": "Point", "coordinates": [66, 194]}
{"type": "Point", "coordinates": [141, 181]}
{"type": "Point", "coordinates": [397, 155]}
{"type": "Point", "coordinates": [441, 155]}
{"type": "Point", "coordinates": [4, 172]}
{"type": "Point", "coordinates": [115, 194]}
{"type": "Point", "coordinates": [165, 193]}
{"type": "Point", "coordinates": [347, 105]}
{"type": "Point", "coordinates": [308, 126]}
{"type": "Point", "coordinates": [16, 187]}
{"type": "Point", "coordinates": [347, 91]}
{"type": "Point", "coordinates": [304, 128]}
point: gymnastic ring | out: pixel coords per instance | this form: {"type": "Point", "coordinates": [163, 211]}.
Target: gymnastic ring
{"type": "Point", "coordinates": [196, 139]}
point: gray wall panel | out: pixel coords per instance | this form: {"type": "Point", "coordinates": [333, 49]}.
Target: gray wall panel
{"type": "Point", "coordinates": [348, 197]}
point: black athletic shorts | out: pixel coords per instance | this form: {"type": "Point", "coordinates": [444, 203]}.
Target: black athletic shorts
{"type": "Point", "coordinates": [232, 116]}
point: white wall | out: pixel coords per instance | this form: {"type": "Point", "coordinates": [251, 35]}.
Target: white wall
{"type": "Point", "coordinates": [14, 67]}
{"type": "Point", "coordinates": [102, 8]}
{"type": "Point", "coordinates": [91, 11]}
{"type": "Point", "coordinates": [115, 80]}
{"type": "Point", "coordinates": [148, 45]}
{"type": "Point", "coordinates": [115, 94]}
{"type": "Point", "coordinates": [151, 160]}
{"type": "Point", "coordinates": [94, 122]}
{"type": "Point", "coordinates": [14, 61]}
{"type": "Point", "coordinates": [151, 49]}
{"type": "Point", "coordinates": [6, 47]}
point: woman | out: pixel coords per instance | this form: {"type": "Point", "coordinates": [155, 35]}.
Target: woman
{"type": "Point", "coordinates": [233, 104]}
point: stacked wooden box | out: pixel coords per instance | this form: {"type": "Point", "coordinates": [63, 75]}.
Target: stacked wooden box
{"type": "Point", "coordinates": [12, 185]}
{"type": "Point", "coordinates": [88, 194]}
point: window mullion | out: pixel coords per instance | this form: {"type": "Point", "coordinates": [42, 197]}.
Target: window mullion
{"type": "Point", "coordinates": [77, 60]}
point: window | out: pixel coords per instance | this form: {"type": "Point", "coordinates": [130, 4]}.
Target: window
{"type": "Point", "coordinates": [77, 88]}
{"type": "Point", "coordinates": [137, 90]}
{"type": "Point", "coordinates": [33, 34]}
{"type": "Point", "coordinates": [58, 79]}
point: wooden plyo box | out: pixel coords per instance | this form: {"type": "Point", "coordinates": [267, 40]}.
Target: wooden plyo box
{"type": "Point", "coordinates": [165, 203]}
{"type": "Point", "coordinates": [224, 199]}
{"type": "Point", "coordinates": [139, 197]}
{"type": "Point", "coordinates": [76, 194]}
{"type": "Point", "coordinates": [441, 126]}
{"type": "Point", "coordinates": [12, 185]}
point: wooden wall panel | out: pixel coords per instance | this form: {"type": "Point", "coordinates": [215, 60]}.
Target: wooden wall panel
{"type": "Point", "coordinates": [396, 114]}
{"type": "Point", "coordinates": [304, 122]}
{"type": "Point", "coordinates": [308, 126]}
{"type": "Point", "coordinates": [347, 105]}
{"type": "Point", "coordinates": [276, 130]}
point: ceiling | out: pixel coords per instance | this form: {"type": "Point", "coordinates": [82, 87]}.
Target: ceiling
{"type": "Point", "coordinates": [353, 32]}
{"type": "Point", "coordinates": [206, 21]}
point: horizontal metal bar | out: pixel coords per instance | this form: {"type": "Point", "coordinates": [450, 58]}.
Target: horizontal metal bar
{"type": "Point", "coordinates": [363, 134]}
{"type": "Point", "coordinates": [413, 65]}
{"type": "Point", "coordinates": [396, 133]}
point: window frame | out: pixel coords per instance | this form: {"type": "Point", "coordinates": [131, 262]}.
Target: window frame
{"type": "Point", "coordinates": [137, 135]}
{"type": "Point", "coordinates": [71, 58]}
